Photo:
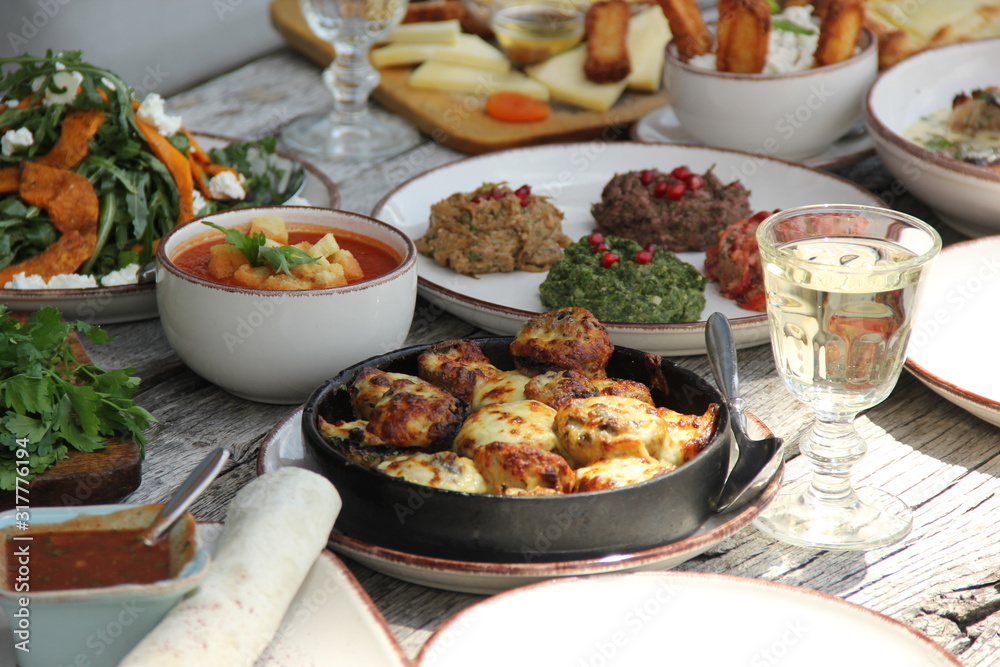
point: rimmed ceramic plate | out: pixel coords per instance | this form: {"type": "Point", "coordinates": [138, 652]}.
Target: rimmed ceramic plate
{"type": "Point", "coordinates": [574, 175]}
{"type": "Point", "coordinates": [683, 618]}
{"type": "Point", "coordinates": [951, 348]}
{"type": "Point", "coordinates": [661, 126]}
{"type": "Point", "coordinates": [128, 303]}
{"type": "Point", "coordinates": [284, 447]}
{"type": "Point", "coordinates": [331, 615]}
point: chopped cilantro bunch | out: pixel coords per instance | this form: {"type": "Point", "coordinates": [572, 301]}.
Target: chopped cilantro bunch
{"type": "Point", "coordinates": [52, 402]}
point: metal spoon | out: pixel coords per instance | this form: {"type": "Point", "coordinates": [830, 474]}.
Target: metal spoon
{"type": "Point", "coordinates": [196, 482]}
{"type": "Point", "coordinates": [755, 455]}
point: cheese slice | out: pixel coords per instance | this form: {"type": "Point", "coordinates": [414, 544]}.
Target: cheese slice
{"type": "Point", "coordinates": [436, 75]}
{"type": "Point", "coordinates": [648, 34]}
{"type": "Point", "coordinates": [426, 32]}
{"type": "Point", "coordinates": [468, 50]}
{"type": "Point", "coordinates": [563, 75]}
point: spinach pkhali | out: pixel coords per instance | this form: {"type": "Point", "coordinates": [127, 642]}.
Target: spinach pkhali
{"type": "Point", "coordinates": [621, 281]}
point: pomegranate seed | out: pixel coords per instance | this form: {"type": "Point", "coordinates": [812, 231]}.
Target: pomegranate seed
{"type": "Point", "coordinates": [596, 238]}
{"type": "Point", "coordinates": [497, 193]}
{"type": "Point", "coordinates": [760, 216]}
{"type": "Point", "coordinates": [676, 191]}
{"type": "Point", "coordinates": [608, 259]}
{"type": "Point", "coordinates": [695, 182]}
{"type": "Point", "coordinates": [660, 189]}
{"type": "Point", "coordinates": [524, 190]}
{"type": "Point", "coordinates": [681, 173]}
{"type": "Point", "coordinates": [646, 176]}
{"type": "Point", "coordinates": [735, 184]}
{"type": "Point", "coordinates": [643, 257]}
{"type": "Point", "coordinates": [650, 248]}
{"type": "Point", "coordinates": [602, 247]}
{"type": "Point", "coordinates": [476, 199]}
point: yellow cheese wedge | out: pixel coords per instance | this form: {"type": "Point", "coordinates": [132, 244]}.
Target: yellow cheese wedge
{"type": "Point", "coordinates": [436, 75]}
{"type": "Point", "coordinates": [473, 51]}
{"type": "Point", "coordinates": [426, 32]}
{"type": "Point", "coordinates": [468, 50]}
{"type": "Point", "coordinates": [648, 34]}
{"type": "Point", "coordinates": [563, 76]}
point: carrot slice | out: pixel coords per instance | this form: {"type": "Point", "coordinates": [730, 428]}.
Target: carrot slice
{"type": "Point", "coordinates": [513, 107]}
{"type": "Point", "coordinates": [10, 179]}
{"type": "Point", "coordinates": [177, 164]}
{"type": "Point", "coordinates": [198, 153]}
{"type": "Point", "coordinates": [71, 147]}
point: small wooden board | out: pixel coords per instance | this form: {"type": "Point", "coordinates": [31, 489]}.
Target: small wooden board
{"type": "Point", "coordinates": [457, 120]}
{"type": "Point", "coordinates": [84, 478]}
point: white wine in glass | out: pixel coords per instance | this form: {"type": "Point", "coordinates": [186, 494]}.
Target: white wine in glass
{"type": "Point", "coordinates": [841, 285]}
{"type": "Point", "coordinates": [351, 133]}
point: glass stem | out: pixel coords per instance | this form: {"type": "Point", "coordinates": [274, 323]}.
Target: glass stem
{"type": "Point", "coordinates": [350, 78]}
{"type": "Point", "coordinates": [833, 447]}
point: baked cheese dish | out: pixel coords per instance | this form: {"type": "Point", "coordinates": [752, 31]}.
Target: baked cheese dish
{"type": "Point", "coordinates": [904, 27]}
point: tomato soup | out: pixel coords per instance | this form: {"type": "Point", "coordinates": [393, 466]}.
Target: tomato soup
{"type": "Point", "coordinates": [74, 559]}
{"type": "Point", "coordinates": [375, 257]}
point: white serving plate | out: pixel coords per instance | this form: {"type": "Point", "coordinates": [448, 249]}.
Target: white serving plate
{"type": "Point", "coordinates": [331, 618]}
{"type": "Point", "coordinates": [574, 175]}
{"type": "Point", "coordinates": [951, 348]}
{"type": "Point", "coordinates": [284, 446]}
{"type": "Point", "coordinates": [662, 126]}
{"type": "Point", "coordinates": [128, 303]}
{"type": "Point", "coordinates": [674, 618]}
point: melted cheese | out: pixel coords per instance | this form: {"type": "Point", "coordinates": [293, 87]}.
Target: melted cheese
{"type": "Point", "coordinates": [603, 427]}
{"type": "Point", "coordinates": [613, 473]}
{"type": "Point", "coordinates": [505, 387]}
{"type": "Point", "coordinates": [443, 470]}
{"type": "Point", "coordinates": [519, 422]}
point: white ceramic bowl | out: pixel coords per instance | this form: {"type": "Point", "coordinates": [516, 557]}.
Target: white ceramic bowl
{"type": "Point", "coordinates": [790, 116]}
{"type": "Point", "coordinates": [277, 346]}
{"type": "Point", "coordinates": [93, 626]}
{"type": "Point", "coordinates": [965, 196]}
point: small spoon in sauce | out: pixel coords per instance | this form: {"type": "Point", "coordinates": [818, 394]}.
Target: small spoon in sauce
{"type": "Point", "coordinates": [196, 482]}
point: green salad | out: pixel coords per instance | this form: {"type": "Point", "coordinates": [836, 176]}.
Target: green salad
{"type": "Point", "coordinates": [620, 281]}
{"type": "Point", "coordinates": [136, 171]}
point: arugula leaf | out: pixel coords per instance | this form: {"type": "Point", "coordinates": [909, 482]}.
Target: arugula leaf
{"type": "Point", "coordinates": [54, 402]}
{"type": "Point", "coordinates": [279, 259]}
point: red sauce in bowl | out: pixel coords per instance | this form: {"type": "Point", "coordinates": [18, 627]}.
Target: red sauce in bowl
{"type": "Point", "coordinates": [75, 559]}
{"type": "Point", "coordinates": [375, 257]}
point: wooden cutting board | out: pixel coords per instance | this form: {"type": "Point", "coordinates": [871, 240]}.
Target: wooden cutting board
{"type": "Point", "coordinates": [457, 120]}
{"type": "Point", "coordinates": [84, 478]}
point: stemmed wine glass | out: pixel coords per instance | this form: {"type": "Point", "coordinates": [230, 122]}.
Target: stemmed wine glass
{"type": "Point", "coordinates": [841, 283]}
{"type": "Point", "coordinates": [350, 132]}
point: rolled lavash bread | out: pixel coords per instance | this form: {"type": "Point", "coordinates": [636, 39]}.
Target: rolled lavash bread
{"type": "Point", "coordinates": [275, 528]}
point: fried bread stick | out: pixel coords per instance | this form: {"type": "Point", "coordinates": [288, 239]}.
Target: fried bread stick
{"type": "Point", "coordinates": [434, 10]}
{"type": "Point", "coordinates": [606, 27]}
{"type": "Point", "coordinates": [744, 26]}
{"type": "Point", "coordinates": [838, 31]}
{"type": "Point", "coordinates": [688, 27]}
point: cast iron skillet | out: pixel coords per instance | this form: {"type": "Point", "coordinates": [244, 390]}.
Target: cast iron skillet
{"type": "Point", "coordinates": [396, 514]}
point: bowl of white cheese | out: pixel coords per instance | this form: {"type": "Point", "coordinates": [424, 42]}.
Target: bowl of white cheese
{"type": "Point", "coordinates": [790, 110]}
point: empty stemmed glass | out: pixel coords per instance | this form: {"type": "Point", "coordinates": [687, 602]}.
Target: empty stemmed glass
{"type": "Point", "coordinates": [841, 285]}
{"type": "Point", "coordinates": [350, 132]}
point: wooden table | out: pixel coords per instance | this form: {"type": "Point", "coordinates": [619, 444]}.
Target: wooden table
{"type": "Point", "coordinates": [943, 579]}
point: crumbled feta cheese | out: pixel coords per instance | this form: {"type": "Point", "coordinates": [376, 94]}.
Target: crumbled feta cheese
{"type": "Point", "coordinates": [199, 202]}
{"type": "Point", "coordinates": [227, 185]}
{"type": "Point", "coordinates": [128, 275]}
{"type": "Point", "coordinates": [11, 103]}
{"type": "Point", "coordinates": [151, 110]}
{"type": "Point", "coordinates": [16, 139]}
{"type": "Point", "coordinates": [61, 281]}
{"type": "Point", "coordinates": [70, 81]}
{"type": "Point", "coordinates": [787, 51]}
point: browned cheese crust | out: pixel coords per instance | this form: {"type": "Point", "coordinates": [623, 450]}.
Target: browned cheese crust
{"type": "Point", "coordinates": [563, 339]}
{"type": "Point", "coordinates": [608, 427]}
{"type": "Point", "coordinates": [506, 466]}
{"type": "Point", "coordinates": [556, 388]}
{"type": "Point", "coordinates": [614, 473]}
{"type": "Point", "coordinates": [606, 27]}
{"type": "Point", "coordinates": [456, 366]}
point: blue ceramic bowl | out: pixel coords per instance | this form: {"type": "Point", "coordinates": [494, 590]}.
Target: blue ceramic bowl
{"type": "Point", "coordinates": [96, 626]}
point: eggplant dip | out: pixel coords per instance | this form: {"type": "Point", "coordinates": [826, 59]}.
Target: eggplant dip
{"type": "Point", "coordinates": [494, 229]}
{"type": "Point", "coordinates": [680, 211]}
